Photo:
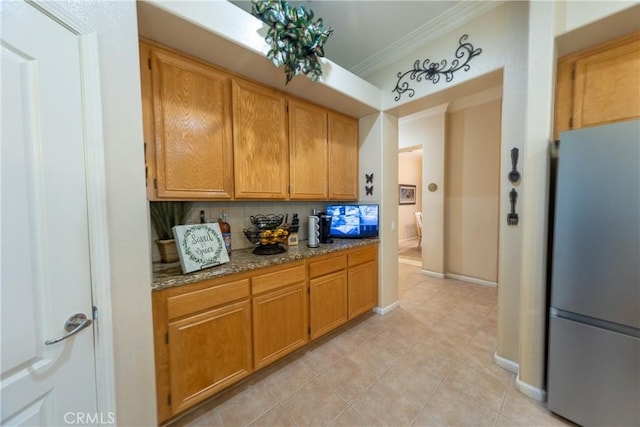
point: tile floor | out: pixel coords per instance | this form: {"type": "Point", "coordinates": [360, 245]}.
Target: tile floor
{"type": "Point", "coordinates": [409, 249]}
{"type": "Point", "coordinates": [427, 363]}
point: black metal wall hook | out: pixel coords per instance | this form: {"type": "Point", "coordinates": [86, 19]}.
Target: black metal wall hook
{"type": "Point", "coordinates": [512, 217]}
{"type": "Point", "coordinates": [514, 175]}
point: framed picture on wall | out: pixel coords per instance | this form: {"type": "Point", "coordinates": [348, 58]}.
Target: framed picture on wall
{"type": "Point", "coordinates": [407, 194]}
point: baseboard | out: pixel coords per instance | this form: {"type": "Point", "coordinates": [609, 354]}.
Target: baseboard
{"type": "Point", "coordinates": [471, 280]}
{"type": "Point", "coordinates": [384, 310]}
{"type": "Point", "coordinates": [533, 392]}
{"type": "Point", "coordinates": [434, 274]}
{"type": "Point", "coordinates": [507, 364]}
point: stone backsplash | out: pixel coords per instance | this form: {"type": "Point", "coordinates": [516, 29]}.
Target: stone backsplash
{"type": "Point", "coordinates": [238, 213]}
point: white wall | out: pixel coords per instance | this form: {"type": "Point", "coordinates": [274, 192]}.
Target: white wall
{"type": "Point", "coordinates": [427, 129]}
{"type": "Point", "coordinates": [472, 168]}
{"type": "Point", "coordinates": [378, 141]}
{"type": "Point", "coordinates": [572, 15]}
{"type": "Point", "coordinates": [502, 36]}
{"type": "Point", "coordinates": [116, 26]}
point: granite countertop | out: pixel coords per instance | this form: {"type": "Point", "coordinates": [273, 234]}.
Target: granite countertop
{"type": "Point", "coordinates": [170, 275]}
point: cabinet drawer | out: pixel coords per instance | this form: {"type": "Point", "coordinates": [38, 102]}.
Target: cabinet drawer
{"type": "Point", "coordinates": [277, 279]}
{"type": "Point", "coordinates": [326, 266]}
{"type": "Point", "coordinates": [193, 302]}
{"type": "Point", "coordinates": [362, 256]}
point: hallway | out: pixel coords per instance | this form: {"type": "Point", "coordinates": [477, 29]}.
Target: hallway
{"type": "Point", "coordinates": [426, 363]}
{"type": "Point", "coordinates": [409, 250]}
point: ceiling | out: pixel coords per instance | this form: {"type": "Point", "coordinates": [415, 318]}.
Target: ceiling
{"type": "Point", "coordinates": [368, 35]}
{"type": "Point", "coordinates": [369, 51]}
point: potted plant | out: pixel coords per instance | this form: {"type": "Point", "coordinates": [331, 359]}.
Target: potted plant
{"type": "Point", "coordinates": [296, 40]}
{"type": "Point", "coordinates": [164, 216]}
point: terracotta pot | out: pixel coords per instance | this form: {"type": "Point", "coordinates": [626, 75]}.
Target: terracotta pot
{"type": "Point", "coordinates": [168, 250]}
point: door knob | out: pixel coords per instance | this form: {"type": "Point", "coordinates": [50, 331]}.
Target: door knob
{"type": "Point", "coordinates": [74, 324]}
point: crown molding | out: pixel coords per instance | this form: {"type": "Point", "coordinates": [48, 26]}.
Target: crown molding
{"type": "Point", "coordinates": [427, 33]}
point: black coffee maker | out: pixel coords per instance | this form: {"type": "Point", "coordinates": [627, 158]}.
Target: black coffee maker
{"type": "Point", "coordinates": [325, 228]}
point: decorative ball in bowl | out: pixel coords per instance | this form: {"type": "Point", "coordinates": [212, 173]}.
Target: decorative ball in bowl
{"type": "Point", "coordinates": [266, 222]}
{"type": "Point", "coordinates": [266, 237]}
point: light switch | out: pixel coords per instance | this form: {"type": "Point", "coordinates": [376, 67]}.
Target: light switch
{"type": "Point", "coordinates": [393, 225]}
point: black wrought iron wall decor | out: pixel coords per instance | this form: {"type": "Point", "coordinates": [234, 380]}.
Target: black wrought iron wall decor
{"type": "Point", "coordinates": [434, 70]}
{"type": "Point", "coordinates": [512, 217]}
{"type": "Point", "coordinates": [514, 175]}
{"type": "Point", "coordinates": [369, 188]}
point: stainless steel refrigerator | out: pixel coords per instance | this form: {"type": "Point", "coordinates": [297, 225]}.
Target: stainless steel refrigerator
{"type": "Point", "coordinates": [593, 370]}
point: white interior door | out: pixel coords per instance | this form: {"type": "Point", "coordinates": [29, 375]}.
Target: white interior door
{"type": "Point", "coordinates": [45, 269]}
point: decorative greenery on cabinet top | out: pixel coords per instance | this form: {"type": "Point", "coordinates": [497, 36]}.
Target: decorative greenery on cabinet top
{"type": "Point", "coordinates": [296, 40]}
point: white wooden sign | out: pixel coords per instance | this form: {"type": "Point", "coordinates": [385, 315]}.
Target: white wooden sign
{"type": "Point", "coordinates": [200, 246]}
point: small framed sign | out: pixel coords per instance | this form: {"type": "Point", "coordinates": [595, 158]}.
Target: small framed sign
{"type": "Point", "coordinates": [200, 246]}
{"type": "Point", "coordinates": [407, 194]}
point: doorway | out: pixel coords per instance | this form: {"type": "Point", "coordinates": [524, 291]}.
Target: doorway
{"type": "Point", "coordinates": [459, 145]}
{"type": "Point", "coordinates": [410, 208]}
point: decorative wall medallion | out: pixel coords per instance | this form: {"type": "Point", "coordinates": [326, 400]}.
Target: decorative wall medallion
{"type": "Point", "coordinates": [434, 70]}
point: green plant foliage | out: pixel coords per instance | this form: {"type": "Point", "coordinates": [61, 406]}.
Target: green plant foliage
{"type": "Point", "coordinates": [297, 41]}
{"type": "Point", "coordinates": [165, 215]}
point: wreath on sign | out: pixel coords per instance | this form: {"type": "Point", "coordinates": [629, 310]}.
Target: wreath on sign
{"type": "Point", "coordinates": [187, 248]}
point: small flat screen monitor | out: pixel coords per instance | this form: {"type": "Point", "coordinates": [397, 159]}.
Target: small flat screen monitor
{"type": "Point", "coordinates": [353, 221]}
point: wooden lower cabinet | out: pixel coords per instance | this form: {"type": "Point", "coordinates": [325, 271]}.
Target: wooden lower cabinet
{"type": "Point", "coordinates": [327, 294]}
{"type": "Point", "coordinates": [280, 316]}
{"type": "Point", "coordinates": [363, 281]}
{"type": "Point", "coordinates": [211, 334]}
{"type": "Point", "coordinates": [208, 352]}
{"type": "Point", "coordinates": [203, 341]}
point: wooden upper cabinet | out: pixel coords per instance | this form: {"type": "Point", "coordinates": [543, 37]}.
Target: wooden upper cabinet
{"type": "Point", "coordinates": [599, 85]}
{"type": "Point", "coordinates": [260, 146]}
{"type": "Point", "coordinates": [343, 157]}
{"type": "Point", "coordinates": [191, 126]}
{"type": "Point", "coordinates": [307, 151]}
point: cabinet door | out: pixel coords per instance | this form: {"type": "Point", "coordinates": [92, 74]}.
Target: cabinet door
{"type": "Point", "coordinates": [598, 85]}
{"type": "Point", "coordinates": [606, 86]}
{"type": "Point", "coordinates": [308, 151]}
{"type": "Point", "coordinates": [327, 303]}
{"type": "Point", "coordinates": [192, 128]}
{"type": "Point", "coordinates": [343, 157]}
{"type": "Point", "coordinates": [260, 147]}
{"type": "Point", "coordinates": [363, 288]}
{"type": "Point", "coordinates": [280, 323]}
{"type": "Point", "coordinates": [208, 352]}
